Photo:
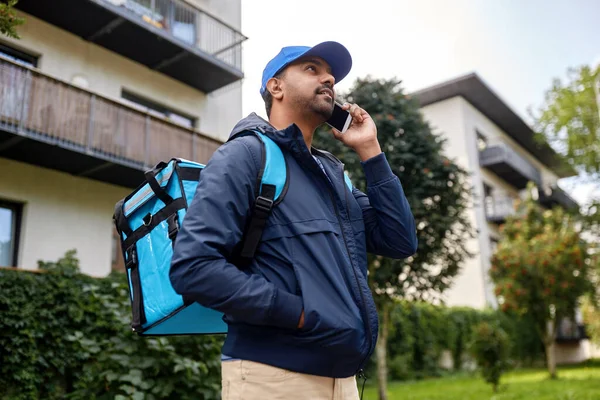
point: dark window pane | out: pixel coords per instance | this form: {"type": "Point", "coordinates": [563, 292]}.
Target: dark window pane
{"type": "Point", "coordinates": [159, 110]}
{"type": "Point", "coordinates": [18, 56]}
{"type": "Point", "coordinates": [9, 229]}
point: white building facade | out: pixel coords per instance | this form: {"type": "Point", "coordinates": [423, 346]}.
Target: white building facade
{"type": "Point", "coordinates": [497, 148]}
{"type": "Point", "coordinates": [94, 93]}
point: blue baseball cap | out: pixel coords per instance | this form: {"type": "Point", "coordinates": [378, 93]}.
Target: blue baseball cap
{"type": "Point", "coordinates": [336, 55]}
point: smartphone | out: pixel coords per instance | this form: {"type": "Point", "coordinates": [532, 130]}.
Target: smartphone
{"type": "Point", "coordinates": [340, 119]}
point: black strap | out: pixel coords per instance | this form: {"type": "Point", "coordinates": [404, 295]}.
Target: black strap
{"type": "Point", "coordinates": [258, 219]}
{"type": "Point", "coordinates": [361, 374]}
{"type": "Point", "coordinates": [155, 219]}
{"type": "Point", "coordinates": [158, 190]}
{"type": "Point", "coordinates": [137, 308]}
{"type": "Point", "coordinates": [173, 226]}
{"type": "Point", "coordinates": [168, 213]}
{"type": "Point", "coordinates": [120, 220]}
{"type": "Point", "coordinates": [189, 174]}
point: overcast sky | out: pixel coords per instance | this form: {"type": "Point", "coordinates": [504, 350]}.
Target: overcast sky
{"type": "Point", "coordinates": [516, 46]}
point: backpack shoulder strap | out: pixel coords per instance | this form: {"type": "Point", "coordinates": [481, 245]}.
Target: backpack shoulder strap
{"type": "Point", "coordinates": [348, 181]}
{"type": "Point", "coordinates": [274, 169]}
{"type": "Point", "coordinates": [273, 184]}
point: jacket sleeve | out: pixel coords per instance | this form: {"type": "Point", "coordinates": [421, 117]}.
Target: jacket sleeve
{"type": "Point", "coordinates": [212, 227]}
{"type": "Point", "coordinates": [389, 223]}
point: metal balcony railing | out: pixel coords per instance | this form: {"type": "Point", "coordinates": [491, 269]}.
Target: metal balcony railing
{"type": "Point", "coordinates": [39, 107]}
{"type": "Point", "coordinates": [498, 208]}
{"type": "Point", "coordinates": [507, 163]}
{"type": "Point", "coordinates": [555, 196]}
{"type": "Point", "coordinates": [569, 331]}
{"type": "Point", "coordinates": [189, 25]}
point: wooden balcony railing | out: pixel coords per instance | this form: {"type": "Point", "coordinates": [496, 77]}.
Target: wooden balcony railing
{"type": "Point", "coordinates": [41, 107]}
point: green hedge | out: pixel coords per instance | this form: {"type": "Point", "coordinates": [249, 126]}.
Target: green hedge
{"type": "Point", "coordinates": [64, 334]}
{"type": "Point", "coordinates": [421, 332]}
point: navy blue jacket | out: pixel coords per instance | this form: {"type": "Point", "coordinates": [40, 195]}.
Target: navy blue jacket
{"type": "Point", "coordinates": [312, 257]}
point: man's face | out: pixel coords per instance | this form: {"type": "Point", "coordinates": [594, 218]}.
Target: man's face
{"type": "Point", "coordinates": [309, 86]}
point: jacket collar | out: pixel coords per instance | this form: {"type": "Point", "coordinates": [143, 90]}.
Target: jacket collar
{"type": "Point", "coordinates": [290, 138]}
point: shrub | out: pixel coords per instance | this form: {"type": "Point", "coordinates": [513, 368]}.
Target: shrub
{"type": "Point", "coordinates": [421, 332]}
{"type": "Point", "coordinates": [67, 335]}
{"type": "Point", "coordinates": [490, 348]}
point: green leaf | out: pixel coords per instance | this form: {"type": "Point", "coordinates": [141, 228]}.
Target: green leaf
{"type": "Point", "coordinates": [63, 330]}
{"type": "Point", "coordinates": [138, 396]}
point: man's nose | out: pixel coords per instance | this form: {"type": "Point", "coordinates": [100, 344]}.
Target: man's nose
{"type": "Point", "coordinates": [328, 79]}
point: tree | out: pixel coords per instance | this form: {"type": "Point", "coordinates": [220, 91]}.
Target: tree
{"type": "Point", "coordinates": [490, 348]}
{"type": "Point", "coordinates": [591, 318]}
{"type": "Point", "coordinates": [8, 19]}
{"type": "Point", "coordinates": [436, 190]}
{"type": "Point", "coordinates": [542, 268]}
{"type": "Point", "coordinates": [570, 118]}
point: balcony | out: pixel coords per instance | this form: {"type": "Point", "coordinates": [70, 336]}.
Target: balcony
{"type": "Point", "coordinates": [505, 162]}
{"type": "Point", "coordinates": [498, 208]}
{"type": "Point", "coordinates": [555, 196]}
{"type": "Point", "coordinates": [168, 36]}
{"type": "Point", "coordinates": [49, 123]}
{"type": "Point", "coordinates": [569, 332]}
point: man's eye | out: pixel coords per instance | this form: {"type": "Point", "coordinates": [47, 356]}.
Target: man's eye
{"type": "Point", "coordinates": [311, 67]}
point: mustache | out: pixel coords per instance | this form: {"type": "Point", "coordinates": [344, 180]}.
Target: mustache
{"type": "Point", "coordinates": [326, 86]}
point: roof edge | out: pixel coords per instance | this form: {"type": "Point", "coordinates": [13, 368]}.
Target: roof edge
{"type": "Point", "coordinates": [481, 96]}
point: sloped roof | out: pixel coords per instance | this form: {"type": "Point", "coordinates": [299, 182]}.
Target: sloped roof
{"type": "Point", "coordinates": [473, 89]}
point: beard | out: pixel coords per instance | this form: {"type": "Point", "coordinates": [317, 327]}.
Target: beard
{"type": "Point", "coordinates": [316, 104]}
{"type": "Point", "coordinates": [322, 107]}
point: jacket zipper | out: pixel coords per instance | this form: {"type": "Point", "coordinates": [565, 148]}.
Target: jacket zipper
{"type": "Point", "coordinates": [366, 323]}
{"type": "Point", "coordinates": [362, 296]}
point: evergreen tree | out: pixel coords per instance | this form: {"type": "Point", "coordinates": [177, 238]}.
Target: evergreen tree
{"type": "Point", "coordinates": [435, 187]}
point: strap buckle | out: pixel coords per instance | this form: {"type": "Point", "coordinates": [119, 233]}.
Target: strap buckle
{"type": "Point", "coordinates": [263, 204]}
{"type": "Point", "coordinates": [173, 226]}
{"type": "Point", "coordinates": [131, 257]}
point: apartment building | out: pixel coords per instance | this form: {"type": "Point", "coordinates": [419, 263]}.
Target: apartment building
{"type": "Point", "coordinates": [94, 93]}
{"type": "Point", "coordinates": [500, 152]}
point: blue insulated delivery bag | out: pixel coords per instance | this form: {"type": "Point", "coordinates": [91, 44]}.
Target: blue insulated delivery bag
{"type": "Point", "coordinates": [147, 221]}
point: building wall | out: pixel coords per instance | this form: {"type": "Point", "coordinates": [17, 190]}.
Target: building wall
{"type": "Point", "coordinates": [70, 58]}
{"type": "Point", "coordinates": [576, 352]}
{"type": "Point", "coordinates": [61, 212]}
{"type": "Point", "coordinates": [448, 118]}
{"type": "Point", "coordinates": [459, 121]}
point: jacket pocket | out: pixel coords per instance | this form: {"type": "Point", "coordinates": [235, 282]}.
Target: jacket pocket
{"type": "Point", "coordinates": [324, 277]}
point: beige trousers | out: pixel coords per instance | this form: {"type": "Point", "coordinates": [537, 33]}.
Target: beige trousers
{"type": "Point", "coordinates": [248, 380]}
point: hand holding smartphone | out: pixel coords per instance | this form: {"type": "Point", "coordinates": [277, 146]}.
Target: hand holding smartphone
{"type": "Point", "coordinates": [340, 119]}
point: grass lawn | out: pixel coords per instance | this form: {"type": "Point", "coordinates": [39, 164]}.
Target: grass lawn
{"type": "Point", "coordinates": [580, 382]}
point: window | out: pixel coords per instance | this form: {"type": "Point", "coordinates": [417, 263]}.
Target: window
{"type": "Point", "coordinates": [481, 141]}
{"type": "Point", "coordinates": [488, 199]}
{"type": "Point", "coordinates": [184, 23]}
{"type": "Point", "coordinates": [178, 19]}
{"type": "Point", "coordinates": [493, 244]}
{"type": "Point", "coordinates": [158, 110]}
{"type": "Point", "coordinates": [18, 56]}
{"type": "Point", "coordinates": [10, 227]}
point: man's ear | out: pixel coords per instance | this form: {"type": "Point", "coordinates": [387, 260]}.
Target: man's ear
{"type": "Point", "coordinates": [274, 86]}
